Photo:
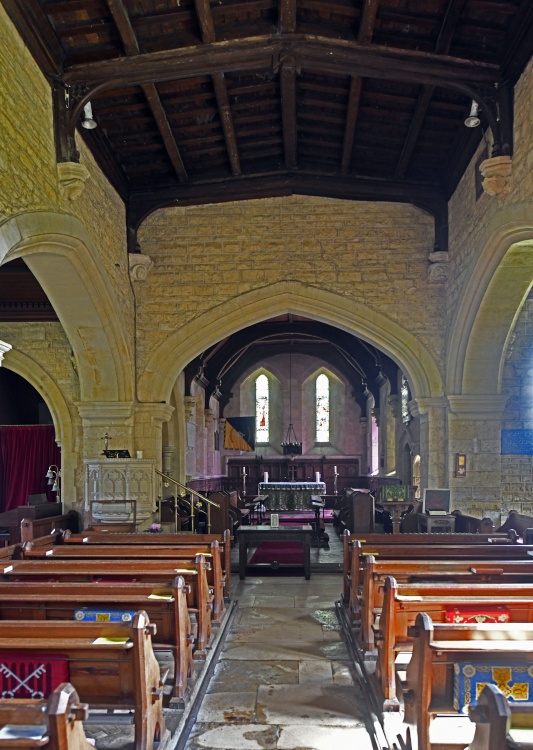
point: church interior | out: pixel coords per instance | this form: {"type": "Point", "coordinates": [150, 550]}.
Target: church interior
{"type": "Point", "coordinates": [266, 374]}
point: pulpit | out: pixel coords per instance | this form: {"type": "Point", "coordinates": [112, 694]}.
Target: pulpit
{"type": "Point", "coordinates": [120, 491]}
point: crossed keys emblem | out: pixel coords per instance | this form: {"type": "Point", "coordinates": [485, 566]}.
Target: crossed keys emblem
{"type": "Point", "coordinates": [4, 670]}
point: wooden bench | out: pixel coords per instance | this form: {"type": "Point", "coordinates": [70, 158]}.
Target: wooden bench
{"type": "Point", "coordinates": [403, 602]}
{"type": "Point", "coordinates": [438, 648]}
{"type": "Point", "coordinates": [116, 571]}
{"type": "Point", "coordinates": [423, 540]}
{"type": "Point", "coordinates": [165, 540]}
{"type": "Point", "coordinates": [438, 550]}
{"type": "Point", "coordinates": [497, 720]}
{"type": "Point", "coordinates": [55, 724]}
{"type": "Point", "coordinates": [165, 605]}
{"type": "Point", "coordinates": [174, 555]}
{"type": "Point", "coordinates": [406, 571]}
{"type": "Point", "coordinates": [112, 666]}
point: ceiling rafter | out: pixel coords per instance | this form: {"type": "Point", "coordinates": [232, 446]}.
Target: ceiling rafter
{"type": "Point", "coordinates": [287, 16]}
{"type": "Point", "coordinates": [131, 47]}
{"type": "Point", "coordinates": [221, 93]}
{"type": "Point", "coordinates": [205, 20]}
{"type": "Point", "coordinates": [444, 41]}
{"type": "Point", "coordinates": [366, 29]}
{"type": "Point", "coordinates": [288, 108]}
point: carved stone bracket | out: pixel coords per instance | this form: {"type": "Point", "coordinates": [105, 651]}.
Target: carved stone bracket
{"type": "Point", "coordinates": [439, 269]}
{"type": "Point", "coordinates": [140, 266]}
{"type": "Point", "coordinates": [497, 173]}
{"type": "Point", "coordinates": [72, 178]}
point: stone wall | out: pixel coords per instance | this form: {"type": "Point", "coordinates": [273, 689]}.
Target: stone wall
{"type": "Point", "coordinates": [28, 171]}
{"type": "Point", "coordinates": [517, 470]}
{"type": "Point", "coordinates": [469, 217]}
{"type": "Point", "coordinates": [375, 253]}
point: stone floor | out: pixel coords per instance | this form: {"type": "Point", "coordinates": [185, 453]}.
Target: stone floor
{"type": "Point", "coordinates": [284, 679]}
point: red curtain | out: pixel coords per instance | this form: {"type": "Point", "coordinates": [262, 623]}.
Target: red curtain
{"type": "Point", "coordinates": [25, 455]}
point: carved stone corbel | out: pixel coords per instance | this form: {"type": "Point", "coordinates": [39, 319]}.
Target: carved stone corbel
{"type": "Point", "coordinates": [497, 173]}
{"type": "Point", "coordinates": [72, 177]}
{"type": "Point", "coordinates": [140, 266]}
{"type": "Point", "coordinates": [439, 269]}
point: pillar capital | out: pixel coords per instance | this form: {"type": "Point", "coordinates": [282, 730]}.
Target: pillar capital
{"type": "Point", "coordinates": [4, 348]}
{"type": "Point", "coordinates": [420, 406]}
{"type": "Point", "coordinates": [105, 413]}
{"type": "Point", "coordinates": [483, 407]}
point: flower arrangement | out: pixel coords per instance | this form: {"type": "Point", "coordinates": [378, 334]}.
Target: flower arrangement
{"type": "Point", "coordinates": [155, 528]}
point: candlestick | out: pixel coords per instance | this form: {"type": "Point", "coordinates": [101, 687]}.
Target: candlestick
{"type": "Point", "coordinates": [317, 475]}
{"type": "Point", "coordinates": [265, 477]}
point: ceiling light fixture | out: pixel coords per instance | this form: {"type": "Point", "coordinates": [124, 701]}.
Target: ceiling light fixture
{"type": "Point", "coordinates": [472, 121]}
{"type": "Point", "coordinates": [88, 121]}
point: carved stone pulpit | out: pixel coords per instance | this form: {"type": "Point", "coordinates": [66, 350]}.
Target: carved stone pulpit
{"type": "Point", "coordinates": [120, 490]}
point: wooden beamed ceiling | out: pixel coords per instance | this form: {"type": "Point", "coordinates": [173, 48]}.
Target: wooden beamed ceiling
{"type": "Point", "coordinates": [200, 101]}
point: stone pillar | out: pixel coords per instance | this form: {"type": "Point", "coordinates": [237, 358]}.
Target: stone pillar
{"type": "Point", "coordinates": [365, 459]}
{"type": "Point", "coordinates": [393, 412]}
{"type": "Point", "coordinates": [189, 403]}
{"type": "Point", "coordinates": [433, 448]}
{"type": "Point", "coordinates": [148, 429]}
{"type": "Point", "coordinates": [474, 428]}
{"type": "Point", "coordinates": [114, 418]}
{"type": "Point", "coordinates": [209, 415]}
{"type": "Point", "coordinates": [221, 422]}
{"type": "Point", "coordinates": [169, 453]}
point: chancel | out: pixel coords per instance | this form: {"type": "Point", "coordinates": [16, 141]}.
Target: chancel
{"type": "Point", "coordinates": [266, 281]}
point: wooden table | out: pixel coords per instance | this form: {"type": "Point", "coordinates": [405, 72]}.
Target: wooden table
{"type": "Point", "coordinates": [254, 535]}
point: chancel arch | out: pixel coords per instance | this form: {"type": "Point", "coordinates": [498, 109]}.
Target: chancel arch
{"type": "Point", "coordinates": [60, 254]}
{"type": "Point", "coordinates": [169, 359]}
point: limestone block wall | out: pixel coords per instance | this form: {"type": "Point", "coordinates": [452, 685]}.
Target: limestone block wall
{"type": "Point", "coordinates": [469, 217]}
{"type": "Point", "coordinates": [375, 253]}
{"type": "Point", "coordinates": [28, 172]}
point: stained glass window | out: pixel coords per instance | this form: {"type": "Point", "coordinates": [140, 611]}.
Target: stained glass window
{"type": "Point", "coordinates": [322, 409]}
{"type": "Point", "coordinates": [406, 417]}
{"type": "Point", "coordinates": [261, 409]}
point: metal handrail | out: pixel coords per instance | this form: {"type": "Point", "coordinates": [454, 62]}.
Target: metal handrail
{"type": "Point", "coordinates": [184, 497]}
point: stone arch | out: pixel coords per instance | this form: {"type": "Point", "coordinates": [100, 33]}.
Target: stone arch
{"type": "Point", "coordinates": [490, 303]}
{"type": "Point", "coordinates": [181, 347]}
{"type": "Point", "coordinates": [32, 371]}
{"type": "Point", "coordinates": [61, 255]}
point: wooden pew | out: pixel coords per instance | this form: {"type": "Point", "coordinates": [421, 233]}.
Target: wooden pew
{"type": "Point", "coordinates": [165, 540]}
{"type": "Point", "coordinates": [145, 571]}
{"type": "Point", "coordinates": [165, 605]}
{"type": "Point", "coordinates": [170, 555]}
{"type": "Point", "coordinates": [403, 602]}
{"type": "Point", "coordinates": [112, 666]}
{"type": "Point", "coordinates": [406, 571]}
{"type": "Point", "coordinates": [437, 648]}
{"type": "Point", "coordinates": [423, 540]}
{"type": "Point", "coordinates": [438, 550]}
{"type": "Point", "coordinates": [57, 721]}
{"type": "Point", "coordinates": [495, 720]}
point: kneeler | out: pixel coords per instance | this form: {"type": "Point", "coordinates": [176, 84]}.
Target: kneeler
{"type": "Point", "coordinates": [31, 675]}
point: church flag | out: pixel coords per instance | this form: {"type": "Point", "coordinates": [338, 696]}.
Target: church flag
{"type": "Point", "coordinates": [239, 434]}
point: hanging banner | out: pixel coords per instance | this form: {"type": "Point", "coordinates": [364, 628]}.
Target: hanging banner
{"type": "Point", "coordinates": [239, 434]}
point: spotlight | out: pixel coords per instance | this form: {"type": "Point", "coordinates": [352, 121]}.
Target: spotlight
{"type": "Point", "coordinates": [88, 121]}
{"type": "Point", "coordinates": [472, 121]}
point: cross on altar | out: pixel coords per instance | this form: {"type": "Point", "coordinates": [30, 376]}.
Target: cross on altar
{"type": "Point", "coordinates": [292, 472]}
{"type": "Point", "coordinates": [106, 440]}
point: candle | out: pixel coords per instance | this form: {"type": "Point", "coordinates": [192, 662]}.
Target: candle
{"type": "Point", "coordinates": [334, 469]}
{"type": "Point", "coordinates": [265, 477]}
{"type": "Point", "coordinates": [244, 471]}
{"type": "Point", "coordinates": [317, 476]}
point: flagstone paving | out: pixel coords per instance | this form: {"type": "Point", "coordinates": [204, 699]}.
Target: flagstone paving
{"type": "Point", "coordinates": [284, 679]}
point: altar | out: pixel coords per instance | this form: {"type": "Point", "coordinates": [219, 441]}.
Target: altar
{"type": "Point", "coordinates": [280, 496]}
